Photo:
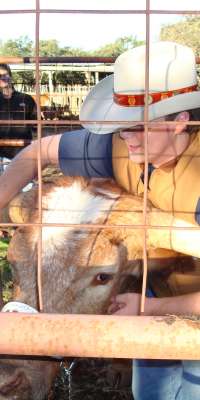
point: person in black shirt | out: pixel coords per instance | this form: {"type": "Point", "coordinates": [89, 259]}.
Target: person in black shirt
{"type": "Point", "coordinates": [14, 105]}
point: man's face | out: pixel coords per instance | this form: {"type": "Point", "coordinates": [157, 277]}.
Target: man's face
{"type": "Point", "coordinates": [163, 145]}
{"type": "Point", "coordinates": [5, 78]}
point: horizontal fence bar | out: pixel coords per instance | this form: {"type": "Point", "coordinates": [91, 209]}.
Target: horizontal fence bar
{"type": "Point", "coordinates": [80, 11]}
{"type": "Point", "coordinates": [74, 11]}
{"type": "Point", "coordinates": [167, 337]}
{"type": "Point", "coordinates": [194, 228]}
{"type": "Point", "coordinates": [82, 122]}
{"type": "Point", "coordinates": [57, 59]}
{"type": "Point", "coordinates": [62, 59]}
{"type": "Point", "coordinates": [14, 142]}
{"type": "Point", "coordinates": [179, 12]}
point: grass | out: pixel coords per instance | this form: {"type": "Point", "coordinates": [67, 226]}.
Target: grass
{"type": "Point", "coordinates": [5, 270]}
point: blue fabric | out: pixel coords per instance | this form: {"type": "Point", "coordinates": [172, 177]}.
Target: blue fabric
{"type": "Point", "coordinates": [197, 212]}
{"type": "Point", "coordinates": [165, 379]}
{"type": "Point", "coordinates": [150, 170]}
{"type": "Point", "coordinates": [150, 293]}
{"type": "Point", "coordinates": [82, 153]}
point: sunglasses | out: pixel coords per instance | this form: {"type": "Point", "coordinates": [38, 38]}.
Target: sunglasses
{"type": "Point", "coordinates": [5, 77]}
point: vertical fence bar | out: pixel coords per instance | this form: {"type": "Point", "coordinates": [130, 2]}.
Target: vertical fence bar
{"type": "Point", "coordinates": [39, 135]}
{"type": "Point", "coordinates": [146, 118]}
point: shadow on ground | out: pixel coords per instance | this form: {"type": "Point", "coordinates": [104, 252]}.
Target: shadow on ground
{"type": "Point", "coordinates": [89, 379]}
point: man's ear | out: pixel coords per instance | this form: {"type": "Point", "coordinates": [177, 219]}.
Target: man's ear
{"type": "Point", "coordinates": [182, 117]}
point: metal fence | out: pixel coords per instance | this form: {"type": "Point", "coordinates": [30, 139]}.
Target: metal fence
{"type": "Point", "coordinates": [110, 338]}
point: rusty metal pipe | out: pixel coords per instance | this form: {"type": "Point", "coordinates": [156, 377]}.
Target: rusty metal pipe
{"type": "Point", "coordinates": [14, 142]}
{"type": "Point", "coordinates": [62, 59]}
{"type": "Point", "coordinates": [58, 60]}
{"type": "Point", "coordinates": [168, 337]}
{"type": "Point", "coordinates": [103, 11]}
{"type": "Point", "coordinates": [79, 123]}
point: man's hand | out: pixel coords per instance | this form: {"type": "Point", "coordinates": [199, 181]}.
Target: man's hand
{"type": "Point", "coordinates": [125, 304]}
{"type": "Point", "coordinates": [129, 304]}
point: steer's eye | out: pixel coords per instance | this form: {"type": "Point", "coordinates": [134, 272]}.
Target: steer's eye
{"type": "Point", "coordinates": [102, 279]}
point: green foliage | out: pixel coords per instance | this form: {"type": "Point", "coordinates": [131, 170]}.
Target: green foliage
{"type": "Point", "coordinates": [49, 48]}
{"type": "Point", "coordinates": [3, 247]}
{"type": "Point", "coordinates": [118, 47]}
{"type": "Point", "coordinates": [23, 77]}
{"type": "Point", "coordinates": [44, 78]}
{"type": "Point", "coordinates": [185, 32]}
{"type": "Point", "coordinates": [21, 47]}
{"type": "Point", "coordinates": [69, 51]}
{"type": "Point", "coordinates": [5, 270]}
{"type": "Point", "coordinates": [69, 78]}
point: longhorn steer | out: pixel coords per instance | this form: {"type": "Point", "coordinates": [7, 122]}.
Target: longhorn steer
{"type": "Point", "coordinates": [81, 267]}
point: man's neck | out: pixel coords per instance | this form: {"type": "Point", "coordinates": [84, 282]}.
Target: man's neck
{"type": "Point", "coordinates": [179, 147]}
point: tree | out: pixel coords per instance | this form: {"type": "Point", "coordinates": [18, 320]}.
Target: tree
{"type": "Point", "coordinates": [69, 78]}
{"type": "Point", "coordinates": [20, 47]}
{"type": "Point", "coordinates": [23, 77]}
{"type": "Point", "coordinates": [23, 47]}
{"type": "Point", "coordinates": [70, 51]}
{"type": "Point", "coordinates": [185, 32]}
{"type": "Point", "coordinates": [49, 48]}
{"type": "Point", "coordinates": [119, 46]}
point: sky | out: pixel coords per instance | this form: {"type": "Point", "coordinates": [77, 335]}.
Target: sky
{"type": "Point", "coordinates": [88, 31]}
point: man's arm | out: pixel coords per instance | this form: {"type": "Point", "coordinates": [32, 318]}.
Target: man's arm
{"type": "Point", "coordinates": [179, 305]}
{"type": "Point", "coordinates": [129, 304]}
{"type": "Point", "coordinates": [24, 167]}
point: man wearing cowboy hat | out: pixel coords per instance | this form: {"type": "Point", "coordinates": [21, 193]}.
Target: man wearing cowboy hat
{"type": "Point", "coordinates": [113, 145]}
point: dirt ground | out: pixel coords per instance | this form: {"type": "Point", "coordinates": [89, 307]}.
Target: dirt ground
{"type": "Point", "coordinates": [93, 379]}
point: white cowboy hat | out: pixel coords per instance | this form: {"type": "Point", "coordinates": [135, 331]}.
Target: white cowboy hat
{"type": "Point", "coordinates": [119, 98]}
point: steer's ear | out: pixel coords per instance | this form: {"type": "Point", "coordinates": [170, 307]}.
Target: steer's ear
{"type": "Point", "coordinates": [22, 254]}
{"type": "Point", "coordinates": [20, 208]}
{"type": "Point", "coordinates": [21, 246]}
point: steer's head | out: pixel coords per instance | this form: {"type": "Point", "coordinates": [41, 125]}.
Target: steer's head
{"type": "Point", "coordinates": [81, 266]}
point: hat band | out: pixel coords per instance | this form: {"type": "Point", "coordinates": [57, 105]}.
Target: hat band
{"type": "Point", "coordinates": [131, 100]}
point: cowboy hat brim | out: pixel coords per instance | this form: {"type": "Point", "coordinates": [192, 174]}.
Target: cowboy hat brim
{"type": "Point", "coordinates": [101, 115]}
